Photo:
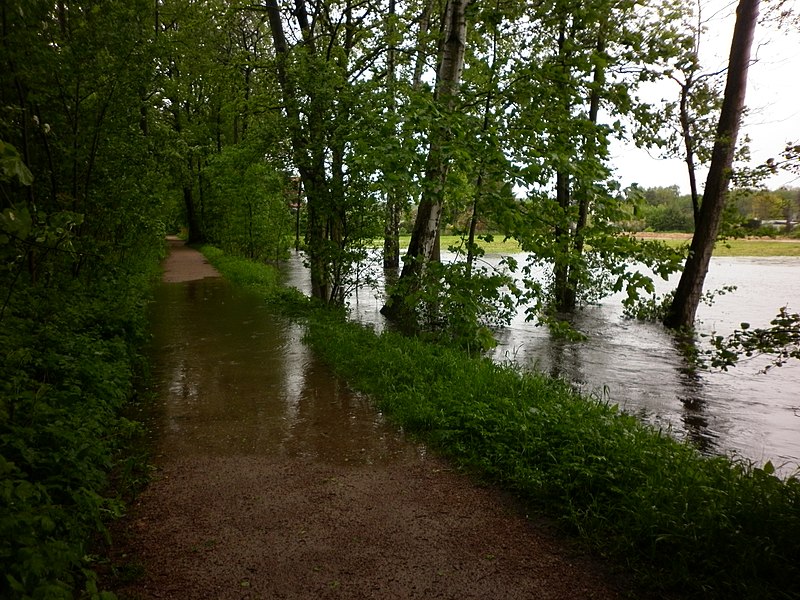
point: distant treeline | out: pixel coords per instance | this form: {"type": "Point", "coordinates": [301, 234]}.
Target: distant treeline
{"type": "Point", "coordinates": [749, 211]}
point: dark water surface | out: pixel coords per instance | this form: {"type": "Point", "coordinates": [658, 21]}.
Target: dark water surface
{"type": "Point", "coordinates": [233, 379]}
{"type": "Point", "coordinates": [638, 366]}
{"type": "Point", "coordinates": [742, 412]}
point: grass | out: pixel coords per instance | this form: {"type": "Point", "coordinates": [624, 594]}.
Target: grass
{"type": "Point", "coordinates": [260, 277]}
{"type": "Point", "coordinates": [755, 247]}
{"type": "Point", "coordinates": [685, 524]}
{"type": "Point", "coordinates": [744, 247]}
{"type": "Point", "coordinates": [736, 247]}
{"type": "Point", "coordinates": [496, 246]}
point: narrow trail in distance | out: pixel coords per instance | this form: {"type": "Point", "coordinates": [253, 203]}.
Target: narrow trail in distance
{"type": "Point", "coordinates": [274, 480]}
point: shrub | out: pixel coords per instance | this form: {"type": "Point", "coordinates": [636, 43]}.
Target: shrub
{"type": "Point", "coordinates": [69, 360]}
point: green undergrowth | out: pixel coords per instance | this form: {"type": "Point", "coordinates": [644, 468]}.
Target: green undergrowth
{"type": "Point", "coordinates": [258, 276]}
{"type": "Point", "coordinates": [263, 278]}
{"type": "Point", "coordinates": [685, 524]}
{"type": "Point", "coordinates": [69, 363]}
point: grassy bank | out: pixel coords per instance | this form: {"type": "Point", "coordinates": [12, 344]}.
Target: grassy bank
{"type": "Point", "coordinates": [747, 247]}
{"type": "Point", "coordinates": [738, 247]}
{"type": "Point", "coordinates": [683, 523]}
{"type": "Point", "coordinates": [259, 277]}
{"type": "Point", "coordinates": [69, 361]}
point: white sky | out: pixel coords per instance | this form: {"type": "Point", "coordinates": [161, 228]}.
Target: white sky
{"type": "Point", "coordinates": [773, 100]}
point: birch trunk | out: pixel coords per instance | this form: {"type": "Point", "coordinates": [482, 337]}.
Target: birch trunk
{"type": "Point", "coordinates": [448, 79]}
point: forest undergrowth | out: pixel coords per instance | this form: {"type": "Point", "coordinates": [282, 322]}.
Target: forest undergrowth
{"type": "Point", "coordinates": [71, 359]}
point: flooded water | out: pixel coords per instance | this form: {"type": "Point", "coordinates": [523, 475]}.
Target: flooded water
{"type": "Point", "coordinates": [742, 412]}
{"type": "Point", "coordinates": [234, 379]}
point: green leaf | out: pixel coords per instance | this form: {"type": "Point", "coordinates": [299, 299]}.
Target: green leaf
{"type": "Point", "coordinates": [12, 164]}
{"type": "Point", "coordinates": [16, 221]}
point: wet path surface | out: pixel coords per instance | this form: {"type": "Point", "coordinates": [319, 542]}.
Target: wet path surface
{"type": "Point", "coordinates": [273, 480]}
{"type": "Point", "coordinates": [236, 380]}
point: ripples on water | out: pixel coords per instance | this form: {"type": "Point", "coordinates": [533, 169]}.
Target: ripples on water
{"type": "Point", "coordinates": [741, 412]}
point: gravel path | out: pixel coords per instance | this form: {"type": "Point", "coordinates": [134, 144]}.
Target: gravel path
{"type": "Point", "coordinates": [244, 526]}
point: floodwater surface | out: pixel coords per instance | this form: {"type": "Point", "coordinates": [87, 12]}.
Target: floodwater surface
{"type": "Point", "coordinates": [742, 412]}
{"type": "Point", "coordinates": [234, 379]}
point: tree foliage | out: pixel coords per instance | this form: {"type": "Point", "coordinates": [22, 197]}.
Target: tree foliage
{"type": "Point", "coordinates": [780, 342]}
{"type": "Point", "coordinates": [80, 232]}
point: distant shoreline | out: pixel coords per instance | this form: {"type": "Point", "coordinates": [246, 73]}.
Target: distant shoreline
{"type": "Point", "coordinates": [665, 235]}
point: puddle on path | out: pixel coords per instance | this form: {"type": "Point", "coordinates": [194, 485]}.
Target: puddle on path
{"type": "Point", "coordinates": [233, 379]}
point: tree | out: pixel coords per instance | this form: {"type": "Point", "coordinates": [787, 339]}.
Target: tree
{"type": "Point", "coordinates": [682, 310]}
{"type": "Point", "coordinates": [587, 62]}
{"type": "Point", "coordinates": [71, 85]}
{"type": "Point", "coordinates": [425, 234]}
{"type": "Point", "coordinates": [326, 74]}
{"type": "Point", "coordinates": [80, 235]}
{"type": "Point", "coordinates": [697, 108]}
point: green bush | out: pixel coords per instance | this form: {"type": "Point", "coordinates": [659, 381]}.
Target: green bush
{"type": "Point", "coordinates": [668, 218]}
{"type": "Point", "coordinates": [455, 305]}
{"type": "Point", "coordinates": [69, 360]}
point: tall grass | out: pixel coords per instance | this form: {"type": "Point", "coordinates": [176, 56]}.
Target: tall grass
{"type": "Point", "coordinates": [683, 523]}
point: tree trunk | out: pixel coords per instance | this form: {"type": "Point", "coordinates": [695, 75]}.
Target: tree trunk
{"type": "Point", "coordinates": [569, 297]}
{"type": "Point", "coordinates": [563, 242]}
{"type": "Point", "coordinates": [424, 25]}
{"type": "Point", "coordinates": [690, 289]}
{"type": "Point", "coordinates": [391, 230]}
{"type": "Point", "coordinates": [561, 295]}
{"type": "Point", "coordinates": [423, 244]}
{"type": "Point", "coordinates": [688, 144]}
{"type": "Point", "coordinates": [487, 109]}
{"type": "Point", "coordinates": [308, 155]}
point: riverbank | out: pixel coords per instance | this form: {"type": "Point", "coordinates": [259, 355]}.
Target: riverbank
{"type": "Point", "coordinates": [684, 523]}
{"type": "Point", "coordinates": [733, 247]}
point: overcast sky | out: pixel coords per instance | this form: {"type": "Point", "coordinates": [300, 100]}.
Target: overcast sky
{"type": "Point", "coordinates": [773, 100]}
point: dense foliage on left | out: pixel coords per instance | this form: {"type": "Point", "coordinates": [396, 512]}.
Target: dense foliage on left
{"type": "Point", "coordinates": [69, 360]}
{"type": "Point", "coordinates": [81, 233]}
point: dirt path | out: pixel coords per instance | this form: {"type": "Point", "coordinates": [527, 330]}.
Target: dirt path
{"type": "Point", "coordinates": [239, 525]}
{"type": "Point", "coordinates": [185, 264]}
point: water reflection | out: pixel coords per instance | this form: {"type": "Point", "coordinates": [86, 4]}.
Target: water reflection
{"type": "Point", "coordinates": [640, 366]}
{"type": "Point", "coordinates": [233, 379]}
